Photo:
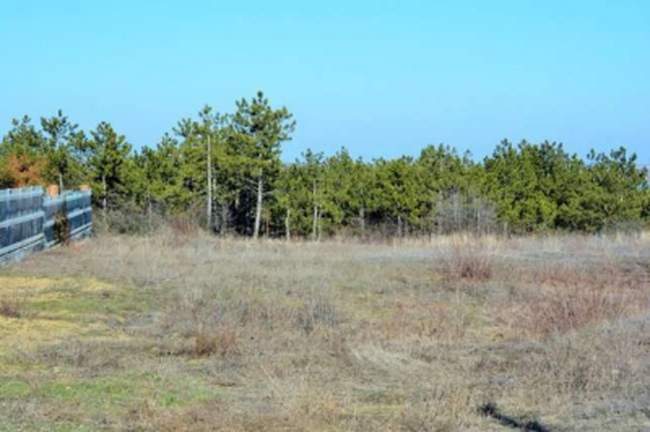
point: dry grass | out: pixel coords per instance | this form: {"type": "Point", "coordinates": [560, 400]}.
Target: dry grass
{"type": "Point", "coordinates": [182, 331]}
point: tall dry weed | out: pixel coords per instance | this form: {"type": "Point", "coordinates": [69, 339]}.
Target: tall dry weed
{"type": "Point", "coordinates": [470, 260]}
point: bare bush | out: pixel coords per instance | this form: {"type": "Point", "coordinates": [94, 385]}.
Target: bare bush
{"type": "Point", "coordinates": [457, 212]}
{"type": "Point", "coordinates": [222, 341]}
{"type": "Point", "coordinates": [468, 260]}
{"type": "Point", "coordinates": [571, 308]}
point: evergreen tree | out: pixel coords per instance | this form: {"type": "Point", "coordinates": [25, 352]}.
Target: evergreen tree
{"type": "Point", "coordinates": [22, 159]}
{"type": "Point", "coordinates": [108, 155]}
{"type": "Point", "coordinates": [258, 132]}
{"type": "Point", "coordinates": [61, 139]}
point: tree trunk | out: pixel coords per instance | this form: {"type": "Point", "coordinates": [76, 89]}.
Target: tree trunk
{"type": "Point", "coordinates": [457, 220]}
{"type": "Point", "coordinates": [287, 225]}
{"type": "Point", "coordinates": [209, 181]}
{"type": "Point", "coordinates": [149, 210]}
{"type": "Point", "coordinates": [399, 226]}
{"type": "Point", "coordinates": [60, 182]}
{"type": "Point", "coordinates": [362, 219]}
{"type": "Point", "coordinates": [320, 227]}
{"type": "Point", "coordinates": [224, 219]}
{"type": "Point", "coordinates": [258, 207]}
{"type": "Point", "coordinates": [314, 224]}
{"type": "Point", "coordinates": [104, 195]}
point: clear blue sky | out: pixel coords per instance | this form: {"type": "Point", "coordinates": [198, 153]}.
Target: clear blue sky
{"type": "Point", "coordinates": [382, 78]}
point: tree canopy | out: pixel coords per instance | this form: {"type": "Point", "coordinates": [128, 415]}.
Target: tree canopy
{"type": "Point", "coordinates": [230, 164]}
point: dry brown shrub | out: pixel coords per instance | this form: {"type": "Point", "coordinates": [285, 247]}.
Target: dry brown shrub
{"type": "Point", "coordinates": [183, 226]}
{"type": "Point", "coordinates": [11, 308]}
{"type": "Point", "coordinates": [469, 260]}
{"type": "Point", "coordinates": [559, 310]}
{"type": "Point", "coordinates": [223, 342]}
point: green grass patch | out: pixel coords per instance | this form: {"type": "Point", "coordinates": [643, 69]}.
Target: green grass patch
{"type": "Point", "coordinates": [73, 302]}
{"type": "Point", "coordinates": [12, 389]}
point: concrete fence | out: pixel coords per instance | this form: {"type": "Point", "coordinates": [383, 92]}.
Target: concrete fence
{"type": "Point", "coordinates": [31, 220]}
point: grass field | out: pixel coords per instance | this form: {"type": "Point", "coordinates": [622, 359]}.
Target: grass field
{"type": "Point", "coordinates": [188, 332]}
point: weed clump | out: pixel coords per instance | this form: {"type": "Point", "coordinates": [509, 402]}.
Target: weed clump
{"type": "Point", "coordinates": [222, 342]}
{"type": "Point", "coordinates": [11, 308]}
{"type": "Point", "coordinates": [468, 261]}
{"type": "Point", "coordinates": [316, 312]}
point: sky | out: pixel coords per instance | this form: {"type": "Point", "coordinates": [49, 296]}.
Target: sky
{"type": "Point", "coordinates": [382, 78]}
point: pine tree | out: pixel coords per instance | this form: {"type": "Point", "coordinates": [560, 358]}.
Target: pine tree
{"type": "Point", "coordinates": [108, 159]}
{"type": "Point", "coordinates": [259, 131]}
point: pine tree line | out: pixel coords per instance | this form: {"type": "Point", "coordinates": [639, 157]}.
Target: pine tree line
{"type": "Point", "coordinates": [226, 172]}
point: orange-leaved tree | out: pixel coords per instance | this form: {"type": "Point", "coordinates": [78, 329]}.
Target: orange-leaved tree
{"type": "Point", "coordinates": [20, 170]}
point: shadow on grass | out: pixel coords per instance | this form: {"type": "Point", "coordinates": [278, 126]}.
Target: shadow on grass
{"type": "Point", "coordinates": [491, 410]}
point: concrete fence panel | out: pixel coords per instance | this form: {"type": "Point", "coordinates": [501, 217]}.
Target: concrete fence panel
{"type": "Point", "coordinates": [30, 220]}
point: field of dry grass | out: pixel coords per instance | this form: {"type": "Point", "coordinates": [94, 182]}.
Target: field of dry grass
{"type": "Point", "coordinates": [188, 332]}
